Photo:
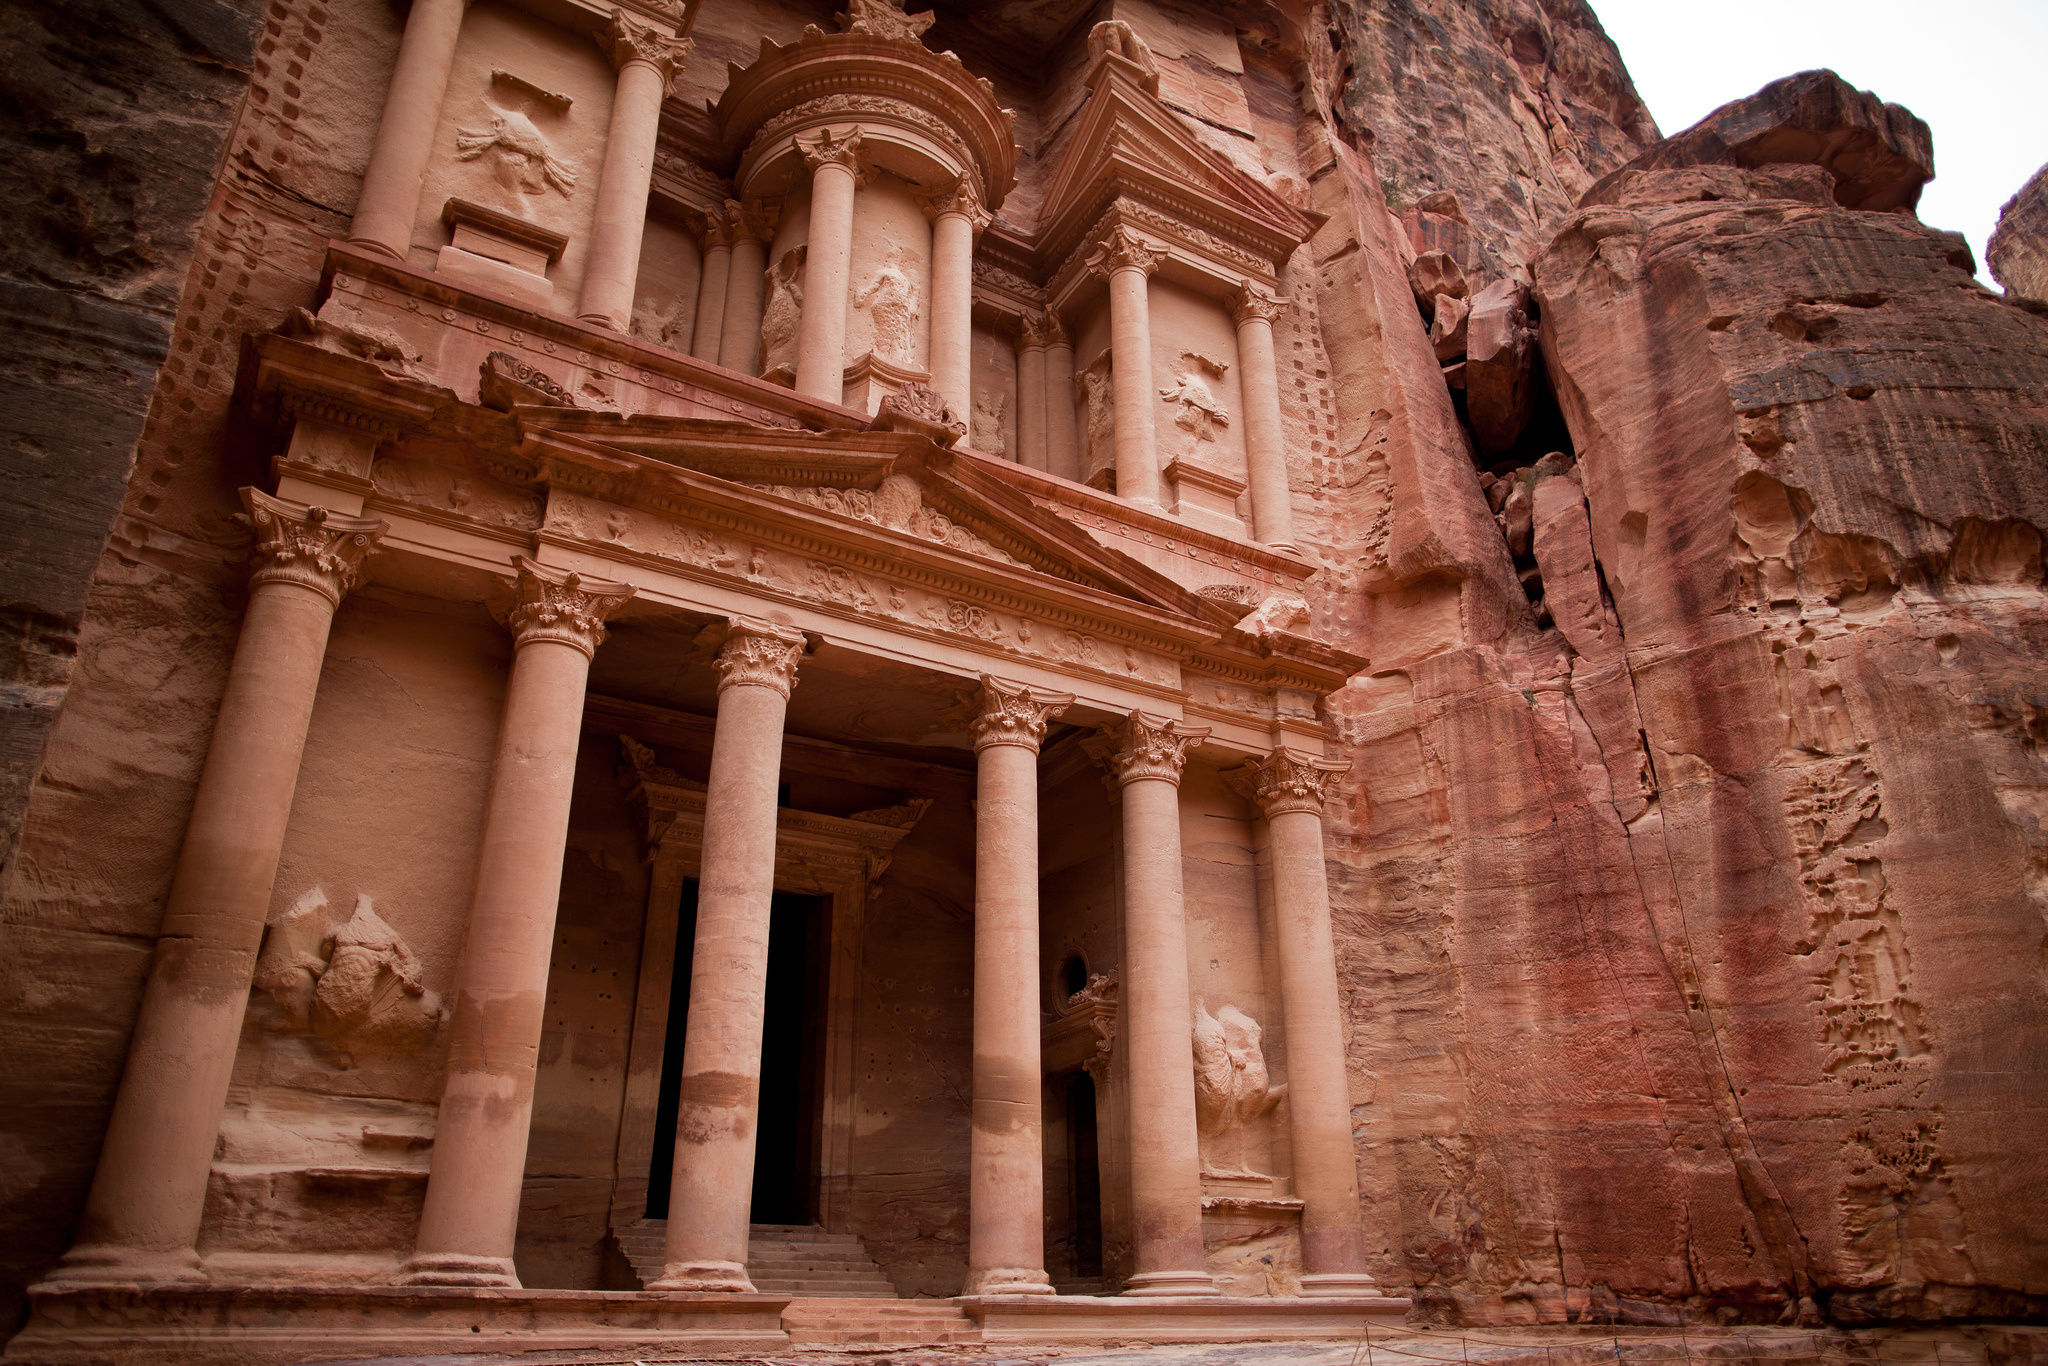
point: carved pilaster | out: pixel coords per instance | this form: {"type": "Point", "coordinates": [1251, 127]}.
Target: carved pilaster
{"type": "Point", "coordinates": [1283, 782]}
{"type": "Point", "coordinates": [1252, 302]}
{"type": "Point", "coordinates": [1142, 746]}
{"type": "Point", "coordinates": [962, 199]}
{"type": "Point", "coordinates": [562, 606]}
{"type": "Point", "coordinates": [624, 42]}
{"type": "Point", "coordinates": [1014, 713]}
{"type": "Point", "coordinates": [846, 150]}
{"type": "Point", "coordinates": [1122, 250]}
{"type": "Point", "coordinates": [760, 653]}
{"type": "Point", "coordinates": [308, 545]}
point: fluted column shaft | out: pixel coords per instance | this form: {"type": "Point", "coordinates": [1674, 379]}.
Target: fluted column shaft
{"type": "Point", "coordinates": [1157, 1024]}
{"type": "Point", "coordinates": [1006, 1148]}
{"type": "Point", "coordinates": [142, 1218]}
{"type": "Point", "coordinates": [837, 170]}
{"type": "Point", "coordinates": [1289, 792]}
{"type": "Point", "coordinates": [1031, 395]}
{"type": "Point", "coordinates": [647, 60]}
{"type": "Point", "coordinates": [712, 1188]}
{"type": "Point", "coordinates": [1062, 421]}
{"type": "Point", "coordinates": [1129, 263]}
{"type": "Point", "coordinates": [471, 1218]}
{"type": "Point", "coordinates": [389, 200]}
{"type": "Point", "coordinates": [739, 345]}
{"type": "Point", "coordinates": [957, 220]}
{"type": "Point", "coordinates": [1265, 439]}
{"type": "Point", "coordinates": [714, 283]}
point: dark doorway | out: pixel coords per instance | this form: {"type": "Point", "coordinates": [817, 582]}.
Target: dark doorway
{"type": "Point", "coordinates": [786, 1142]}
{"type": "Point", "coordinates": [1087, 1177]}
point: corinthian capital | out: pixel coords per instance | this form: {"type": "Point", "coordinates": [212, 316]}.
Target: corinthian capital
{"type": "Point", "coordinates": [846, 150]}
{"type": "Point", "coordinates": [1122, 250]}
{"type": "Point", "coordinates": [1014, 713]}
{"type": "Point", "coordinates": [1283, 782]}
{"type": "Point", "coordinates": [1252, 302]}
{"type": "Point", "coordinates": [962, 199]}
{"type": "Point", "coordinates": [1043, 330]}
{"type": "Point", "coordinates": [1142, 746]}
{"type": "Point", "coordinates": [625, 42]}
{"type": "Point", "coordinates": [759, 653]}
{"type": "Point", "coordinates": [562, 606]}
{"type": "Point", "coordinates": [308, 545]}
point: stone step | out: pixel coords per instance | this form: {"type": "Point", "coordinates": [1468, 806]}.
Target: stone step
{"type": "Point", "coordinates": [879, 1323]}
{"type": "Point", "coordinates": [782, 1259]}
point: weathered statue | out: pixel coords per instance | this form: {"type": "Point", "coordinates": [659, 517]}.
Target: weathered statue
{"type": "Point", "coordinates": [783, 316]}
{"type": "Point", "coordinates": [1231, 1085]}
{"type": "Point", "coordinates": [520, 157]}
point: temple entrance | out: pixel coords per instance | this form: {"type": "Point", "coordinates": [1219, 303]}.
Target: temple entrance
{"type": "Point", "coordinates": [786, 1146]}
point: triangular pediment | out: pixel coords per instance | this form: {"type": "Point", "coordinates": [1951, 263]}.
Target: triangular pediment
{"type": "Point", "coordinates": [888, 485]}
{"type": "Point", "coordinates": [1128, 144]}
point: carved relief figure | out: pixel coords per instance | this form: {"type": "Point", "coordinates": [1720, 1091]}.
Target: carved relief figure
{"type": "Point", "coordinates": [356, 984]}
{"type": "Point", "coordinates": [1231, 1086]}
{"type": "Point", "coordinates": [1098, 395]}
{"type": "Point", "coordinates": [1198, 412]}
{"type": "Point", "coordinates": [988, 422]}
{"type": "Point", "coordinates": [783, 316]}
{"type": "Point", "coordinates": [519, 157]}
{"type": "Point", "coordinates": [893, 308]}
{"type": "Point", "coordinates": [1119, 39]}
{"type": "Point", "coordinates": [880, 19]}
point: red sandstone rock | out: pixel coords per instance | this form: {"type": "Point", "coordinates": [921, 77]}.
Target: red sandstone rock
{"type": "Point", "coordinates": [2018, 251]}
{"type": "Point", "coordinates": [1500, 355]}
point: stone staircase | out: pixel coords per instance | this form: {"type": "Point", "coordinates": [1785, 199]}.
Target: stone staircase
{"type": "Point", "coordinates": [782, 1259]}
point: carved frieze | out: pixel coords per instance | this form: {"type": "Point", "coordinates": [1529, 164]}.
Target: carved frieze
{"type": "Point", "coordinates": [897, 504]}
{"type": "Point", "coordinates": [308, 545]}
{"type": "Point", "coordinates": [504, 382]}
{"type": "Point", "coordinates": [562, 606]}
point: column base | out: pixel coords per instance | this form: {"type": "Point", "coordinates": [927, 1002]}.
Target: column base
{"type": "Point", "coordinates": [1171, 1283]}
{"type": "Point", "coordinates": [113, 1264]}
{"type": "Point", "coordinates": [603, 320]}
{"type": "Point", "coordinates": [1008, 1280]}
{"type": "Point", "coordinates": [370, 244]}
{"type": "Point", "coordinates": [1336, 1283]}
{"type": "Point", "coordinates": [717, 1278]}
{"type": "Point", "coordinates": [460, 1269]}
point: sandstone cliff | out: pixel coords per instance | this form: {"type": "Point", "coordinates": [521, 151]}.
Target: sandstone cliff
{"type": "Point", "coordinates": [2018, 249]}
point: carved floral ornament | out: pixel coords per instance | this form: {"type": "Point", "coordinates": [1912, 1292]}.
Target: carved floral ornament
{"type": "Point", "coordinates": [625, 42]}
{"type": "Point", "coordinates": [1123, 250]}
{"type": "Point", "coordinates": [308, 545]}
{"type": "Point", "coordinates": [1143, 746]}
{"type": "Point", "coordinates": [845, 150]}
{"type": "Point", "coordinates": [1042, 330]}
{"type": "Point", "coordinates": [760, 654]}
{"type": "Point", "coordinates": [1283, 782]}
{"type": "Point", "coordinates": [961, 198]}
{"type": "Point", "coordinates": [1008, 713]}
{"type": "Point", "coordinates": [1251, 303]}
{"type": "Point", "coordinates": [562, 606]}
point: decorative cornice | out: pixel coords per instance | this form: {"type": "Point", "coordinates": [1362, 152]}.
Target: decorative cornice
{"type": "Point", "coordinates": [845, 150]}
{"type": "Point", "coordinates": [1122, 250]}
{"type": "Point", "coordinates": [1251, 302]}
{"type": "Point", "coordinates": [625, 42]}
{"type": "Point", "coordinates": [562, 606]}
{"type": "Point", "coordinates": [1145, 746]}
{"type": "Point", "coordinates": [308, 545]}
{"type": "Point", "coordinates": [1009, 713]}
{"type": "Point", "coordinates": [1283, 782]}
{"type": "Point", "coordinates": [761, 653]}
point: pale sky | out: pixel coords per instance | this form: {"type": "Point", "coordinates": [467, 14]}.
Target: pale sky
{"type": "Point", "coordinates": [1975, 70]}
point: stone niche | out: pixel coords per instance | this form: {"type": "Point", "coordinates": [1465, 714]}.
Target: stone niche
{"type": "Point", "coordinates": [511, 189]}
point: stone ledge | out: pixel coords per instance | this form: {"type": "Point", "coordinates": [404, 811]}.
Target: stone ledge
{"type": "Point", "coordinates": [1055, 1320]}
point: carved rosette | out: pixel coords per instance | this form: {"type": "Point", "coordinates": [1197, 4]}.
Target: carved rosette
{"type": "Point", "coordinates": [562, 606]}
{"type": "Point", "coordinates": [962, 199]}
{"type": "Point", "coordinates": [845, 150]}
{"type": "Point", "coordinates": [1250, 302]}
{"type": "Point", "coordinates": [1143, 746]}
{"type": "Point", "coordinates": [625, 42]}
{"type": "Point", "coordinates": [1122, 250]}
{"type": "Point", "coordinates": [759, 653]}
{"type": "Point", "coordinates": [1283, 782]}
{"type": "Point", "coordinates": [1014, 714]}
{"type": "Point", "coordinates": [308, 545]}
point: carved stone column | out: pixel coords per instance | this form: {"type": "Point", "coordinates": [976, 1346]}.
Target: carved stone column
{"type": "Point", "coordinates": [1288, 791]}
{"type": "Point", "coordinates": [1264, 439]}
{"type": "Point", "coordinates": [715, 281]}
{"type": "Point", "coordinates": [1129, 263]}
{"type": "Point", "coordinates": [472, 1210]}
{"type": "Point", "coordinates": [838, 168]}
{"type": "Point", "coordinates": [142, 1218]}
{"type": "Point", "coordinates": [739, 345]}
{"type": "Point", "coordinates": [390, 198]}
{"type": "Point", "coordinates": [647, 60]}
{"type": "Point", "coordinates": [1062, 423]}
{"type": "Point", "coordinates": [957, 220]}
{"type": "Point", "coordinates": [1031, 396]}
{"type": "Point", "coordinates": [1006, 1157]}
{"type": "Point", "coordinates": [710, 1195]}
{"type": "Point", "coordinates": [1147, 753]}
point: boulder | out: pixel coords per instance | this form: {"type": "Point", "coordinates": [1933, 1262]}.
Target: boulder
{"type": "Point", "coordinates": [2018, 252]}
{"type": "Point", "coordinates": [1434, 273]}
{"type": "Point", "coordinates": [1879, 154]}
{"type": "Point", "coordinates": [1447, 327]}
{"type": "Point", "coordinates": [1500, 353]}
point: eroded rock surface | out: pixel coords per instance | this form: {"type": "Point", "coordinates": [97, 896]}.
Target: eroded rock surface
{"type": "Point", "coordinates": [2018, 251]}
